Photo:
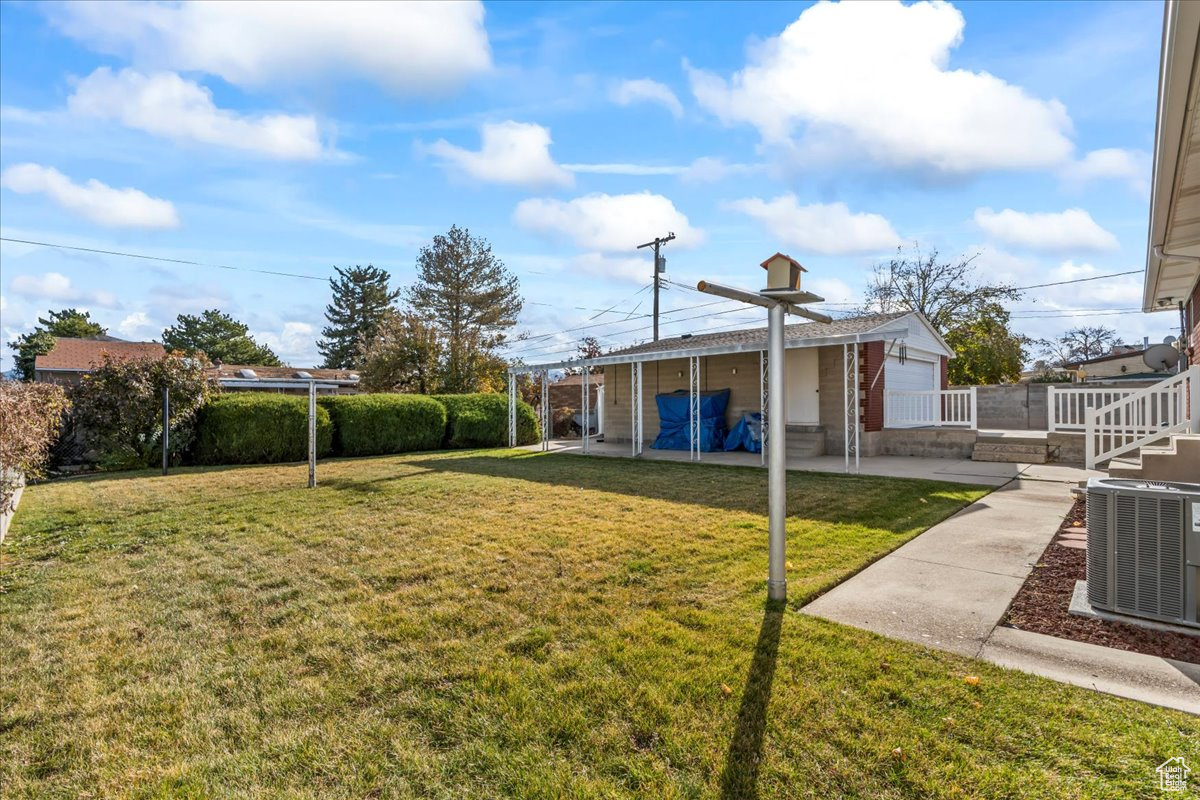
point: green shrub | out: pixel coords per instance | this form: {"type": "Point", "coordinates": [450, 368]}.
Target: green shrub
{"type": "Point", "coordinates": [258, 428]}
{"type": "Point", "coordinates": [375, 424]}
{"type": "Point", "coordinates": [481, 420]}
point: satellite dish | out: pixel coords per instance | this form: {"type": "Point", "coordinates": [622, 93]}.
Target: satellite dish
{"type": "Point", "coordinates": [1161, 357]}
{"type": "Point", "coordinates": [1170, 340]}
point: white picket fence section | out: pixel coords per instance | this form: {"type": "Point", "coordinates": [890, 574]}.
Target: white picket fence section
{"type": "Point", "coordinates": [937, 408]}
{"type": "Point", "coordinates": [1067, 407]}
{"type": "Point", "coordinates": [1142, 416]}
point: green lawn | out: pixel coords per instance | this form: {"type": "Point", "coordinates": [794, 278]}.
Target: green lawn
{"type": "Point", "coordinates": [487, 624]}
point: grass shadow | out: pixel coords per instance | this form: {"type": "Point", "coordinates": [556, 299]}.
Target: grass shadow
{"type": "Point", "coordinates": [824, 497]}
{"type": "Point", "coordinates": [739, 777]}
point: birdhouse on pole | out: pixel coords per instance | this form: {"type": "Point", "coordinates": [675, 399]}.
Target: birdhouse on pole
{"type": "Point", "coordinates": [783, 273]}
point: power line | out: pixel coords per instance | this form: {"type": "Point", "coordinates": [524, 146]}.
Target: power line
{"type": "Point", "coordinates": [163, 259]}
{"type": "Point", "coordinates": [1078, 280]}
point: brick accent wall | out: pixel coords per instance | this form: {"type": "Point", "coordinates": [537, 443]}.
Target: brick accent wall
{"type": "Point", "coordinates": [871, 372]}
{"type": "Point", "coordinates": [945, 372]}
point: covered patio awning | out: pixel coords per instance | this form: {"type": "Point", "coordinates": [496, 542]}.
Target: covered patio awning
{"type": "Point", "coordinates": [848, 333]}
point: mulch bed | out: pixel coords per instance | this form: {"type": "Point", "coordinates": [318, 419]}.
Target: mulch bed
{"type": "Point", "coordinates": [1041, 606]}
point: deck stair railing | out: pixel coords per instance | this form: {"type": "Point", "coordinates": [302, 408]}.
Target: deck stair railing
{"type": "Point", "coordinates": [936, 408]}
{"type": "Point", "coordinates": [1067, 407]}
{"type": "Point", "coordinates": [1144, 415]}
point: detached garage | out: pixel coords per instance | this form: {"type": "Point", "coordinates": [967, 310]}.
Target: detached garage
{"type": "Point", "coordinates": [839, 376]}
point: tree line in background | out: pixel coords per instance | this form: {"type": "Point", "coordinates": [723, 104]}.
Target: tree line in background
{"type": "Point", "coordinates": [972, 318]}
{"type": "Point", "coordinates": [444, 334]}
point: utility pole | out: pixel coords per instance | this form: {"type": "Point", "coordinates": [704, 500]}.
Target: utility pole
{"type": "Point", "coordinates": [659, 266]}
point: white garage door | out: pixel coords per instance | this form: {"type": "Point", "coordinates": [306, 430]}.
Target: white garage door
{"type": "Point", "coordinates": [911, 376]}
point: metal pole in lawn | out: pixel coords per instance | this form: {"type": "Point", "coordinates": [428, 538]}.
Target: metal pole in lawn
{"type": "Point", "coordinates": [776, 458]}
{"type": "Point", "coordinates": [166, 423]}
{"type": "Point", "coordinates": [312, 434]}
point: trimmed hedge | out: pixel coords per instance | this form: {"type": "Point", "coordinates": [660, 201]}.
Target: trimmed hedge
{"type": "Point", "coordinates": [481, 420]}
{"type": "Point", "coordinates": [258, 428]}
{"type": "Point", "coordinates": [376, 424]}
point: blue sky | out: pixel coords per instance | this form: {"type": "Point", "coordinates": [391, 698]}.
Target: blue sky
{"type": "Point", "coordinates": [292, 139]}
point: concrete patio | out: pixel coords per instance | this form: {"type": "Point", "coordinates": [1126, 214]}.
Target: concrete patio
{"type": "Point", "coordinates": [954, 470]}
{"type": "Point", "coordinates": [951, 586]}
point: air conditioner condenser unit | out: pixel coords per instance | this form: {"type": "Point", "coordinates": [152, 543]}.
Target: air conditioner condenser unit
{"type": "Point", "coordinates": [1143, 548]}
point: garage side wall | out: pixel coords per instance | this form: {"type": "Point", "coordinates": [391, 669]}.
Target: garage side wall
{"type": "Point", "coordinates": [716, 372]}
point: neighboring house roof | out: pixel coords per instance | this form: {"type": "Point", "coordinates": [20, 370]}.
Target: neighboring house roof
{"type": "Point", "coordinates": [1175, 191]}
{"type": "Point", "coordinates": [83, 355]}
{"type": "Point", "coordinates": [846, 330]}
{"type": "Point", "coordinates": [1110, 357]}
{"type": "Point", "coordinates": [249, 374]}
{"type": "Point", "coordinates": [576, 380]}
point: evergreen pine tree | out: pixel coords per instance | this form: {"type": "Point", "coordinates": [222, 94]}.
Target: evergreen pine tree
{"type": "Point", "coordinates": [361, 299]}
{"type": "Point", "coordinates": [466, 292]}
{"type": "Point", "coordinates": [220, 337]}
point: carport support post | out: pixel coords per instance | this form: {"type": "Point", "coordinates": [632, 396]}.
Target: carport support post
{"type": "Point", "coordinates": [512, 409]}
{"type": "Point", "coordinates": [166, 423]}
{"type": "Point", "coordinates": [776, 458]}
{"type": "Point", "coordinates": [312, 434]}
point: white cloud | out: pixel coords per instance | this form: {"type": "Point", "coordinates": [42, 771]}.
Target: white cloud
{"type": "Point", "coordinates": [1073, 229]}
{"type": "Point", "coordinates": [95, 201]}
{"type": "Point", "coordinates": [164, 104]}
{"type": "Point", "coordinates": [636, 170]}
{"type": "Point", "coordinates": [408, 48]}
{"type": "Point", "coordinates": [513, 153]}
{"type": "Point", "coordinates": [58, 287]}
{"type": "Point", "coordinates": [1111, 163]}
{"type": "Point", "coordinates": [629, 269]}
{"type": "Point", "coordinates": [828, 228]}
{"type": "Point", "coordinates": [871, 80]}
{"type": "Point", "coordinates": [705, 169]}
{"type": "Point", "coordinates": [608, 223]}
{"type": "Point", "coordinates": [137, 326]}
{"type": "Point", "coordinates": [294, 343]}
{"type": "Point", "coordinates": [644, 90]}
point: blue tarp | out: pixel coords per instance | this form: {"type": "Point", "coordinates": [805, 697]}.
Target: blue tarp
{"type": "Point", "coordinates": [747, 433]}
{"type": "Point", "coordinates": [674, 432]}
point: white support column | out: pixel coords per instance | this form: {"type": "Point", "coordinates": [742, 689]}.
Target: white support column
{"type": "Point", "coordinates": [777, 474]}
{"type": "Point", "coordinates": [600, 411]}
{"type": "Point", "coordinates": [586, 409]}
{"type": "Point", "coordinates": [763, 366]}
{"type": "Point", "coordinates": [851, 405]}
{"type": "Point", "coordinates": [974, 409]}
{"type": "Point", "coordinates": [547, 417]}
{"type": "Point", "coordinates": [635, 383]}
{"type": "Point", "coordinates": [694, 408]}
{"type": "Point", "coordinates": [512, 409]}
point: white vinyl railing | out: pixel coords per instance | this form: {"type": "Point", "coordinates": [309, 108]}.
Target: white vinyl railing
{"type": "Point", "coordinates": [1067, 407]}
{"type": "Point", "coordinates": [1169, 406]}
{"type": "Point", "coordinates": [938, 408]}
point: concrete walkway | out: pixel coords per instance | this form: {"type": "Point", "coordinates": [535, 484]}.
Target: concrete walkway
{"type": "Point", "coordinates": [951, 470]}
{"type": "Point", "coordinates": [950, 587]}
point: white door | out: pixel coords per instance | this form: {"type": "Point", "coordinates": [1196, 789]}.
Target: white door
{"type": "Point", "coordinates": [803, 379]}
{"type": "Point", "coordinates": [911, 376]}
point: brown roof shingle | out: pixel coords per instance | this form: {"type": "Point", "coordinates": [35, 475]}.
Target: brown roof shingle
{"type": "Point", "coordinates": [803, 330]}
{"type": "Point", "coordinates": [82, 355]}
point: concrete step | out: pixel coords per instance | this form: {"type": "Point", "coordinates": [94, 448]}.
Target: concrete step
{"type": "Point", "coordinates": [1125, 467]}
{"type": "Point", "coordinates": [1177, 460]}
{"type": "Point", "coordinates": [805, 441]}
